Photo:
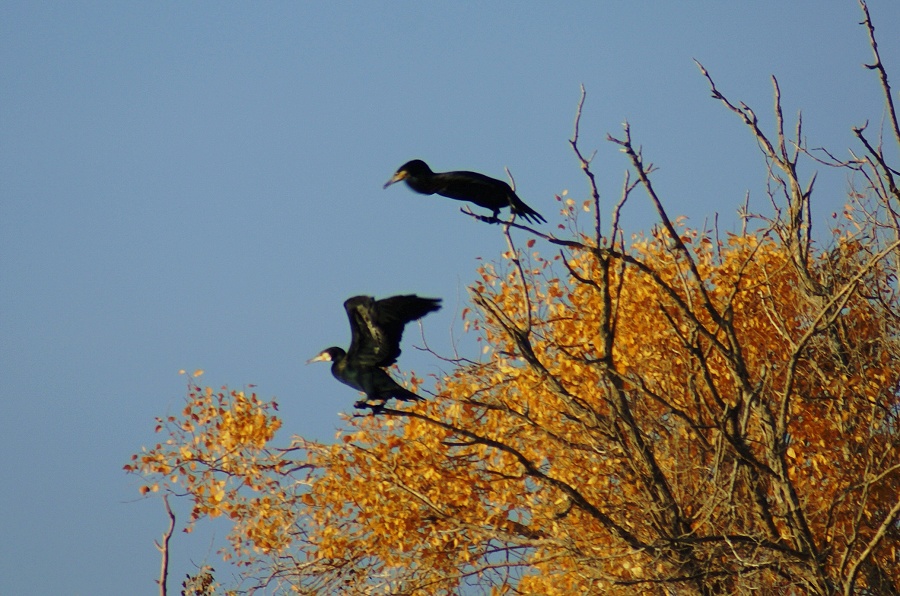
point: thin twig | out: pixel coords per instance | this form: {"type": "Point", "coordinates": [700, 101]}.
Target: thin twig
{"type": "Point", "coordinates": [586, 166]}
{"type": "Point", "coordinates": [514, 255]}
{"type": "Point", "coordinates": [882, 73]}
{"type": "Point", "coordinates": [164, 547]}
{"type": "Point", "coordinates": [883, 529]}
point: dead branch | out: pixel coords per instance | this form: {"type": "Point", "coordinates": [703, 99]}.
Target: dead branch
{"type": "Point", "coordinates": [164, 548]}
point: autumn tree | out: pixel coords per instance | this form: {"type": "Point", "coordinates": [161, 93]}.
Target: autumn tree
{"type": "Point", "coordinates": [684, 413]}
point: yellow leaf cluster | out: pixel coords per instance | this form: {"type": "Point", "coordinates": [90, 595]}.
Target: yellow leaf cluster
{"type": "Point", "coordinates": [638, 418]}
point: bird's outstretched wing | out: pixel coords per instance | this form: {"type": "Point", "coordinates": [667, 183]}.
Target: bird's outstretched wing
{"type": "Point", "coordinates": [376, 326]}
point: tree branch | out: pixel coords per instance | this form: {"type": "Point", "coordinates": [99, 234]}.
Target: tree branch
{"type": "Point", "coordinates": [164, 548]}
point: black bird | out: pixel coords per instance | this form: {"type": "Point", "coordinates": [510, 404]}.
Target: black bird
{"type": "Point", "coordinates": [376, 327]}
{"type": "Point", "coordinates": [482, 190]}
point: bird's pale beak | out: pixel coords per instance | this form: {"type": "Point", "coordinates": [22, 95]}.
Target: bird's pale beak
{"type": "Point", "coordinates": [323, 357]}
{"type": "Point", "coordinates": [396, 178]}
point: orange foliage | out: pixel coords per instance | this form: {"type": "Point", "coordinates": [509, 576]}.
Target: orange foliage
{"type": "Point", "coordinates": [588, 472]}
{"type": "Point", "coordinates": [686, 415]}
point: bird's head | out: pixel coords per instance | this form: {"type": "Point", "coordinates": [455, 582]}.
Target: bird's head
{"type": "Point", "coordinates": [328, 355]}
{"type": "Point", "coordinates": [410, 169]}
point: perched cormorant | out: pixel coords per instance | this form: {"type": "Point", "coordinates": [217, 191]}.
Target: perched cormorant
{"type": "Point", "coordinates": [376, 327]}
{"type": "Point", "coordinates": [482, 190]}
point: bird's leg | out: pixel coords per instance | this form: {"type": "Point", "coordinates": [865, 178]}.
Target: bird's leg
{"type": "Point", "coordinates": [375, 407]}
{"type": "Point", "coordinates": [485, 218]}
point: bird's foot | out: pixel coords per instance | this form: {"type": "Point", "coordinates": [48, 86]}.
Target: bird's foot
{"type": "Point", "coordinates": [491, 219]}
{"type": "Point", "coordinates": [375, 407]}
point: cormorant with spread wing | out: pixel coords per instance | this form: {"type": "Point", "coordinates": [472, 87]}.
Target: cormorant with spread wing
{"type": "Point", "coordinates": [473, 187]}
{"type": "Point", "coordinates": [376, 327]}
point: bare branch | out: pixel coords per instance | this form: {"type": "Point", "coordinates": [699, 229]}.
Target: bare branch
{"type": "Point", "coordinates": [889, 521]}
{"type": "Point", "coordinates": [164, 548]}
{"type": "Point", "coordinates": [586, 167]}
{"type": "Point", "coordinates": [882, 73]}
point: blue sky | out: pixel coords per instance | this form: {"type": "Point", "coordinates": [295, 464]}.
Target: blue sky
{"type": "Point", "coordinates": [198, 185]}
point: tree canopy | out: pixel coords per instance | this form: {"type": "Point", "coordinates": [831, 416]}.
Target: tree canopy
{"type": "Point", "coordinates": [685, 411]}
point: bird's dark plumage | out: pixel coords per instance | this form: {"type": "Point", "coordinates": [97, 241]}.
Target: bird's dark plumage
{"type": "Point", "coordinates": [473, 187]}
{"type": "Point", "coordinates": [376, 327]}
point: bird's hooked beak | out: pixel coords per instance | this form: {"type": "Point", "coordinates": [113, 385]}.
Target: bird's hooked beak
{"type": "Point", "coordinates": [323, 357]}
{"type": "Point", "coordinates": [396, 178]}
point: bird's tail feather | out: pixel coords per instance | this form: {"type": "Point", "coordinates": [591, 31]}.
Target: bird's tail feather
{"type": "Point", "coordinates": [518, 206]}
{"type": "Point", "coordinates": [405, 395]}
{"type": "Point", "coordinates": [529, 214]}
